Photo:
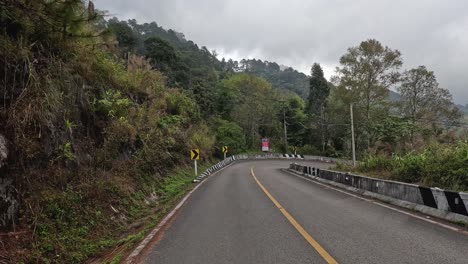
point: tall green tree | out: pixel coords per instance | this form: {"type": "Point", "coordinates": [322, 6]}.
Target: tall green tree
{"type": "Point", "coordinates": [368, 71]}
{"type": "Point", "coordinates": [318, 94]}
{"type": "Point", "coordinates": [161, 54]}
{"type": "Point", "coordinates": [318, 90]}
{"type": "Point", "coordinates": [295, 119]}
{"type": "Point", "coordinates": [124, 34]}
{"type": "Point", "coordinates": [230, 134]}
{"type": "Point", "coordinates": [423, 101]}
{"type": "Point", "coordinates": [253, 104]}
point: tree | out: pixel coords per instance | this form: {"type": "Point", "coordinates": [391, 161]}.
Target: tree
{"type": "Point", "coordinates": [252, 103]}
{"type": "Point", "coordinates": [368, 71]}
{"type": "Point", "coordinates": [287, 79]}
{"type": "Point", "coordinates": [318, 92]}
{"type": "Point", "coordinates": [423, 100]}
{"type": "Point", "coordinates": [161, 54]}
{"type": "Point", "coordinates": [230, 134]}
{"type": "Point", "coordinates": [337, 112]}
{"type": "Point", "coordinates": [392, 134]}
{"type": "Point", "coordinates": [124, 34]}
{"type": "Point", "coordinates": [295, 119]}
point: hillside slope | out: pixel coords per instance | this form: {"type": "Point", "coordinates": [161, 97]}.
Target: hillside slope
{"type": "Point", "coordinates": [201, 62]}
{"type": "Point", "coordinates": [93, 139]}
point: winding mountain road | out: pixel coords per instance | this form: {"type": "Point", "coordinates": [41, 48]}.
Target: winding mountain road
{"type": "Point", "coordinates": [252, 212]}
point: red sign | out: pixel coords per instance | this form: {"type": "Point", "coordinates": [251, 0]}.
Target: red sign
{"type": "Point", "coordinates": [265, 144]}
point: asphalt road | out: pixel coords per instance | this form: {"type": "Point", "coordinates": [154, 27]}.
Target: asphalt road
{"type": "Point", "coordinates": [230, 219]}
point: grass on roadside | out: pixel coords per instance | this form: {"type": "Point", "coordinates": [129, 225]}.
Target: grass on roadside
{"type": "Point", "coordinates": [171, 190]}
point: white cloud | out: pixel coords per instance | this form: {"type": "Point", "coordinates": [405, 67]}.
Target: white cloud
{"type": "Point", "coordinates": [301, 32]}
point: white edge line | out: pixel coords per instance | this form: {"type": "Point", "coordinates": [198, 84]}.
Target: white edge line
{"type": "Point", "coordinates": [383, 205]}
{"type": "Point", "coordinates": [158, 227]}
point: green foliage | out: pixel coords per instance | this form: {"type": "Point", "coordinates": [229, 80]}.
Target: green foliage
{"type": "Point", "coordinates": [67, 152]}
{"type": "Point", "coordinates": [423, 101]}
{"type": "Point", "coordinates": [124, 129]}
{"type": "Point", "coordinates": [124, 34]}
{"type": "Point", "coordinates": [308, 150]}
{"type": "Point", "coordinates": [391, 133]}
{"type": "Point", "coordinates": [366, 72]}
{"type": "Point", "coordinates": [113, 104]}
{"type": "Point", "coordinates": [129, 124]}
{"type": "Point", "coordinates": [116, 259]}
{"type": "Point", "coordinates": [410, 168]}
{"type": "Point", "coordinates": [69, 125]}
{"type": "Point", "coordinates": [161, 54]}
{"type": "Point", "coordinates": [230, 134]}
{"type": "Point", "coordinates": [174, 187]}
{"type": "Point", "coordinates": [439, 165]}
{"type": "Point", "coordinates": [178, 103]}
{"type": "Point", "coordinates": [296, 119]}
{"type": "Point", "coordinates": [285, 79]}
{"type": "Point", "coordinates": [375, 163]}
{"type": "Point", "coordinates": [120, 137]}
{"type": "Point", "coordinates": [253, 104]}
{"type": "Point", "coordinates": [185, 64]}
{"type": "Point", "coordinates": [319, 91]}
{"type": "Point", "coordinates": [106, 71]}
{"type": "Point", "coordinates": [65, 227]}
{"type": "Point", "coordinates": [202, 137]}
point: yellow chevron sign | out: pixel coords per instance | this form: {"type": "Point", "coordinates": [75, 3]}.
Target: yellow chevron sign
{"type": "Point", "coordinates": [195, 154]}
{"type": "Point", "coordinates": [225, 149]}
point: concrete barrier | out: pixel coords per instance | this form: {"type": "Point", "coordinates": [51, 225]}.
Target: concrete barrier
{"type": "Point", "coordinates": [447, 201]}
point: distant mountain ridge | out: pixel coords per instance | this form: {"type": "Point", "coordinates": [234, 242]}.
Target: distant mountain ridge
{"type": "Point", "coordinates": [199, 58]}
{"type": "Point", "coordinates": [463, 108]}
{"type": "Point", "coordinates": [394, 96]}
{"type": "Point", "coordinates": [280, 76]}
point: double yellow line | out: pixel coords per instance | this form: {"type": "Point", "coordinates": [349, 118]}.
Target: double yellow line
{"type": "Point", "coordinates": [327, 257]}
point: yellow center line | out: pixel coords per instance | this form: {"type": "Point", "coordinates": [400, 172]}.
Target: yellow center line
{"type": "Point", "coordinates": [327, 257]}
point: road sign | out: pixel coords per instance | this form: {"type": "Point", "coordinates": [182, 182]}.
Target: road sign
{"type": "Point", "coordinates": [225, 150]}
{"type": "Point", "coordinates": [265, 144]}
{"type": "Point", "coordinates": [195, 154]}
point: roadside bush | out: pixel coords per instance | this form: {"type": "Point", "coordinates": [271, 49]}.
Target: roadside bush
{"type": "Point", "coordinates": [201, 137]}
{"type": "Point", "coordinates": [230, 134]}
{"type": "Point", "coordinates": [113, 104]}
{"type": "Point", "coordinates": [409, 168]}
{"type": "Point", "coordinates": [375, 163]}
{"type": "Point", "coordinates": [439, 165]}
{"type": "Point", "coordinates": [308, 150]}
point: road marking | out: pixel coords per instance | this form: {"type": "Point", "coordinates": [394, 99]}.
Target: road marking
{"type": "Point", "coordinates": [327, 257]}
{"type": "Point", "coordinates": [326, 186]}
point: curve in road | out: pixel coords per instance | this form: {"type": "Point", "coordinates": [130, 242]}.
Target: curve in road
{"type": "Point", "coordinates": [231, 219]}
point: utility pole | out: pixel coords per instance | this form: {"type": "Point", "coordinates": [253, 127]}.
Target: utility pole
{"type": "Point", "coordinates": [322, 121]}
{"type": "Point", "coordinates": [352, 135]}
{"type": "Point", "coordinates": [285, 131]}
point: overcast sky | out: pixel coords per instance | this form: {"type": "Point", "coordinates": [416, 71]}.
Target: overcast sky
{"type": "Point", "coordinates": [299, 32]}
